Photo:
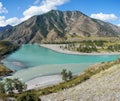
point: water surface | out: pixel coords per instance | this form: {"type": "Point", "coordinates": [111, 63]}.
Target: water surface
{"type": "Point", "coordinates": [33, 60]}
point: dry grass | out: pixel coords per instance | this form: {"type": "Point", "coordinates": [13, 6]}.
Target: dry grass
{"type": "Point", "coordinates": [4, 71]}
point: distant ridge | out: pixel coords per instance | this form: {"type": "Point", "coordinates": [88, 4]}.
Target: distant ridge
{"type": "Point", "coordinates": [2, 29]}
{"type": "Point", "coordinates": [58, 25]}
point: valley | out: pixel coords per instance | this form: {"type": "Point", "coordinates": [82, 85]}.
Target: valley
{"type": "Point", "coordinates": [38, 49]}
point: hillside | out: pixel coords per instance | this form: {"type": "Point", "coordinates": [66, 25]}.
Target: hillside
{"type": "Point", "coordinates": [101, 87]}
{"type": "Point", "coordinates": [2, 29]}
{"type": "Point", "coordinates": [4, 71]}
{"type": "Point", "coordinates": [5, 48]}
{"type": "Point", "coordinates": [58, 26]}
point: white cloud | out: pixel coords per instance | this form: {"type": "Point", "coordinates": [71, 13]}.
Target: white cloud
{"type": "Point", "coordinates": [45, 6]}
{"type": "Point", "coordinates": [118, 25]}
{"type": "Point", "coordinates": [104, 17]}
{"type": "Point", "coordinates": [2, 21]}
{"type": "Point", "coordinates": [13, 21]}
{"type": "Point", "coordinates": [3, 9]}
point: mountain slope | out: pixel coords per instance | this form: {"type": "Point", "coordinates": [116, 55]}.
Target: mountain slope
{"type": "Point", "coordinates": [7, 47]}
{"type": "Point", "coordinates": [58, 25]}
{"type": "Point", "coordinates": [2, 29]}
{"type": "Point", "coordinates": [103, 86]}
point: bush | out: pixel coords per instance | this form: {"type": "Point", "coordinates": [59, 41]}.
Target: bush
{"type": "Point", "coordinates": [11, 85]}
{"type": "Point", "coordinates": [66, 75]}
{"type": "Point", "coordinates": [28, 97]}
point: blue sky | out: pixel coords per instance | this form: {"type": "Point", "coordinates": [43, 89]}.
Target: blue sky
{"type": "Point", "coordinates": [16, 11]}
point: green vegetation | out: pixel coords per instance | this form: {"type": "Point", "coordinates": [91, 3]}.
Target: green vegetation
{"type": "Point", "coordinates": [66, 75]}
{"type": "Point", "coordinates": [89, 46]}
{"type": "Point", "coordinates": [6, 47]}
{"type": "Point", "coordinates": [15, 88]}
{"type": "Point", "coordinates": [28, 97]}
{"type": "Point", "coordinates": [33, 94]}
{"type": "Point", "coordinates": [87, 74]}
{"type": "Point", "coordinates": [10, 86]}
{"type": "Point", "coordinates": [4, 71]}
{"type": "Point", "coordinates": [68, 39]}
{"type": "Point", "coordinates": [115, 47]}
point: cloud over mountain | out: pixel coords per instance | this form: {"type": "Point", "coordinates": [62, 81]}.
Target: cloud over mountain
{"type": "Point", "coordinates": [42, 7]}
{"type": "Point", "coordinates": [104, 17]}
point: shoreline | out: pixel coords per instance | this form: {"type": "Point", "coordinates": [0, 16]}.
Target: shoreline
{"type": "Point", "coordinates": [56, 48]}
{"type": "Point", "coordinates": [44, 81]}
{"type": "Point", "coordinates": [50, 80]}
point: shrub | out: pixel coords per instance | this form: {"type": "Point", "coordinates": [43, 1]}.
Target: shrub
{"type": "Point", "coordinates": [66, 75]}
{"type": "Point", "coordinates": [28, 97]}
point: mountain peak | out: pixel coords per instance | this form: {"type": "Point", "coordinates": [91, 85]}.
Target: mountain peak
{"type": "Point", "coordinates": [3, 28]}
{"type": "Point", "coordinates": [8, 25]}
{"type": "Point", "coordinates": [59, 25]}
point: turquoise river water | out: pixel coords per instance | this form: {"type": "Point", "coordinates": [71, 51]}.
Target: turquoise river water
{"type": "Point", "coordinates": [31, 61]}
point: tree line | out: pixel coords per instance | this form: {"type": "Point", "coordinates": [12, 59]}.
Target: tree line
{"type": "Point", "coordinates": [10, 86]}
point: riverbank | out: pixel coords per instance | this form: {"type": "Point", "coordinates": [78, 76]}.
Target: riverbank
{"type": "Point", "coordinates": [103, 86]}
{"type": "Point", "coordinates": [44, 81]}
{"type": "Point", "coordinates": [4, 71]}
{"type": "Point", "coordinates": [56, 47]}
{"type": "Point", "coordinates": [50, 80]}
{"type": "Point", "coordinates": [6, 48]}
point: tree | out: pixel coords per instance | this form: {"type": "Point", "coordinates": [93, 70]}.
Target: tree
{"type": "Point", "coordinates": [2, 90]}
{"type": "Point", "coordinates": [9, 85]}
{"type": "Point", "coordinates": [28, 97]}
{"type": "Point", "coordinates": [18, 85]}
{"type": "Point", "coordinates": [69, 75]}
{"type": "Point", "coordinates": [64, 74]}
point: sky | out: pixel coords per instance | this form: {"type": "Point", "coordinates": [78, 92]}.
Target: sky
{"type": "Point", "coordinates": [14, 12]}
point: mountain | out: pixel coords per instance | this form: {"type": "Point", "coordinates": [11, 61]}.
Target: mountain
{"type": "Point", "coordinates": [2, 29]}
{"type": "Point", "coordinates": [58, 25]}
{"type": "Point", "coordinates": [7, 47]}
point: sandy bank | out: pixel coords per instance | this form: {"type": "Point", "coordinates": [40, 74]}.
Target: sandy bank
{"type": "Point", "coordinates": [45, 81]}
{"type": "Point", "coordinates": [56, 47]}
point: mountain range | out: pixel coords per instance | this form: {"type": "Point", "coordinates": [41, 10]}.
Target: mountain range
{"type": "Point", "coordinates": [2, 29]}
{"type": "Point", "coordinates": [58, 25]}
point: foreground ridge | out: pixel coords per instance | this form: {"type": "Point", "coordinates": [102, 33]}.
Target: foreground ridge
{"type": "Point", "coordinates": [103, 86]}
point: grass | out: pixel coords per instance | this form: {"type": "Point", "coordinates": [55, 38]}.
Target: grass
{"type": "Point", "coordinates": [92, 38]}
{"type": "Point", "coordinates": [90, 45]}
{"type": "Point", "coordinates": [77, 39]}
{"type": "Point", "coordinates": [5, 48]}
{"type": "Point", "coordinates": [4, 71]}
